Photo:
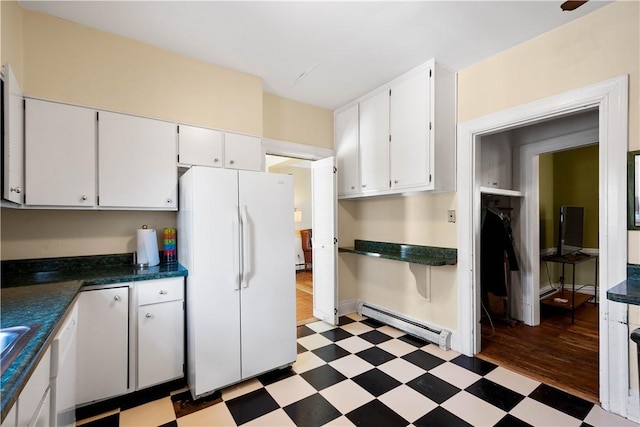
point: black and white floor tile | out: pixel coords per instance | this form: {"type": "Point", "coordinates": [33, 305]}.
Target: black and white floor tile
{"type": "Point", "coordinates": [365, 373]}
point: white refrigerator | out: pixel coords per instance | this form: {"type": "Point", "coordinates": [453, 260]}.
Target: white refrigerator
{"type": "Point", "coordinates": [236, 237]}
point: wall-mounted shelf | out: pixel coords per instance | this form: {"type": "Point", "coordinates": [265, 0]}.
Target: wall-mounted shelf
{"type": "Point", "coordinates": [425, 255]}
{"type": "Point", "coordinates": [500, 192]}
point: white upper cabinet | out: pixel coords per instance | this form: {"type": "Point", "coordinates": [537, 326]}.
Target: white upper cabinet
{"type": "Point", "coordinates": [410, 148]}
{"type": "Point", "coordinates": [406, 135]}
{"type": "Point", "coordinates": [242, 152]}
{"type": "Point", "coordinates": [13, 185]}
{"type": "Point", "coordinates": [136, 162]}
{"type": "Point", "coordinates": [346, 146]}
{"type": "Point", "coordinates": [374, 142]}
{"type": "Point", "coordinates": [200, 146]}
{"type": "Point", "coordinates": [60, 154]}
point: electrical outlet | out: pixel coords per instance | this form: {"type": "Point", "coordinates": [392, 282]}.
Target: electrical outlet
{"type": "Point", "coordinates": [451, 216]}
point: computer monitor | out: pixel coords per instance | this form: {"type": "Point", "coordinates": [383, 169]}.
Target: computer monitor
{"type": "Point", "coordinates": [570, 229]}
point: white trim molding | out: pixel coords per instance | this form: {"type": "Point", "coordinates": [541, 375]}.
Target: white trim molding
{"type": "Point", "coordinates": [610, 98]}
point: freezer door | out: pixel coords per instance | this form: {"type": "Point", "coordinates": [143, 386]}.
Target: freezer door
{"type": "Point", "coordinates": [209, 232]}
{"type": "Point", "coordinates": [268, 306]}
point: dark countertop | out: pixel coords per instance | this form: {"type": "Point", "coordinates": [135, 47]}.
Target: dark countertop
{"type": "Point", "coordinates": [425, 255]}
{"type": "Point", "coordinates": [628, 291]}
{"type": "Point", "coordinates": [40, 292]}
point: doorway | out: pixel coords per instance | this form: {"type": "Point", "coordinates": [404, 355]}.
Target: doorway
{"type": "Point", "coordinates": [610, 98]}
{"type": "Point", "coordinates": [562, 347]}
{"type": "Point", "coordinates": [300, 169]}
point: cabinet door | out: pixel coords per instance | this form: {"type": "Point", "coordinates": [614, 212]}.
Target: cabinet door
{"type": "Point", "coordinates": [13, 185]}
{"type": "Point", "coordinates": [33, 402]}
{"type": "Point", "coordinates": [409, 124]}
{"type": "Point", "coordinates": [346, 146]}
{"type": "Point", "coordinates": [200, 146]}
{"type": "Point", "coordinates": [374, 142]}
{"type": "Point", "coordinates": [242, 152]}
{"type": "Point", "coordinates": [60, 154]}
{"type": "Point", "coordinates": [103, 344]}
{"type": "Point", "coordinates": [160, 343]}
{"type": "Point", "coordinates": [136, 162]}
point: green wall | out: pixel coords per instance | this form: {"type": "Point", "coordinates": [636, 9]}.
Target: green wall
{"type": "Point", "coordinates": [569, 178]}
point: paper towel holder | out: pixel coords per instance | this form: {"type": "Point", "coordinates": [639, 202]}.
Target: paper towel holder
{"type": "Point", "coordinates": [142, 265]}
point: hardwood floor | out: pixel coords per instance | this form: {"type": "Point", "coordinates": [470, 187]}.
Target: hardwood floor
{"type": "Point", "coordinates": [556, 352]}
{"type": "Point", "coordinates": [304, 297]}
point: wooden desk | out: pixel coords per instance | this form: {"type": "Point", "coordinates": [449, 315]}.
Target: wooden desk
{"type": "Point", "coordinates": [576, 300]}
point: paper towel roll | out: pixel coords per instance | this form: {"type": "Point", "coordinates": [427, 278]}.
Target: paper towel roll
{"type": "Point", "coordinates": [147, 247]}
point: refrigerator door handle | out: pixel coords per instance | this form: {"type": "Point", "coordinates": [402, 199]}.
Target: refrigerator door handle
{"type": "Point", "coordinates": [246, 250]}
{"type": "Point", "coordinates": [237, 243]}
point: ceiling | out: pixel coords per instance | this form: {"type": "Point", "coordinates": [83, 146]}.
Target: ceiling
{"type": "Point", "coordinates": [323, 53]}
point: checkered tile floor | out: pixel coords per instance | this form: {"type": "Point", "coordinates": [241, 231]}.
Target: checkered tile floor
{"type": "Point", "coordinates": [365, 373]}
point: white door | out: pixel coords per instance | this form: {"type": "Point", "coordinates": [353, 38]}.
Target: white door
{"type": "Point", "coordinates": [324, 243]}
{"type": "Point", "coordinates": [409, 114]}
{"type": "Point", "coordinates": [60, 154]}
{"type": "Point", "coordinates": [13, 186]}
{"type": "Point", "coordinates": [268, 301]}
{"type": "Point", "coordinates": [160, 342]}
{"type": "Point", "coordinates": [213, 285]}
{"type": "Point", "coordinates": [103, 344]}
{"type": "Point", "coordinates": [136, 162]}
{"type": "Point", "coordinates": [242, 152]}
{"type": "Point", "coordinates": [200, 146]}
{"type": "Point", "coordinates": [346, 143]}
{"type": "Point", "coordinates": [374, 142]}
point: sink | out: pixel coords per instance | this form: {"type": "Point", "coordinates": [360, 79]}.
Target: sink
{"type": "Point", "coordinates": [12, 342]}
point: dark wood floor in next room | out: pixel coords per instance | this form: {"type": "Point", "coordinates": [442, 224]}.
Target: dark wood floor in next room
{"type": "Point", "coordinates": [556, 352]}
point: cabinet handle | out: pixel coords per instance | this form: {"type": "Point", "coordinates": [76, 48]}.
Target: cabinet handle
{"type": "Point", "coordinates": [364, 185]}
{"type": "Point", "coordinates": [17, 190]}
{"type": "Point", "coordinates": [163, 292]}
{"type": "Point", "coordinates": [169, 201]}
{"type": "Point", "coordinates": [353, 187]}
{"type": "Point", "coordinates": [395, 181]}
{"type": "Point", "coordinates": [148, 316]}
{"type": "Point", "coordinates": [216, 160]}
{"type": "Point", "coordinates": [231, 162]}
{"type": "Point", "coordinates": [84, 197]}
{"type": "Point", "coordinates": [116, 298]}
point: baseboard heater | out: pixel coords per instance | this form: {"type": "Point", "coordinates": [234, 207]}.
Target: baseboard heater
{"type": "Point", "coordinates": [441, 337]}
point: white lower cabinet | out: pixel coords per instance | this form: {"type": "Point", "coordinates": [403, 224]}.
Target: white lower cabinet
{"type": "Point", "coordinates": [103, 344]}
{"type": "Point", "coordinates": [34, 407]}
{"type": "Point", "coordinates": [116, 356]}
{"type": "Point", "coordinates": [160, 331]}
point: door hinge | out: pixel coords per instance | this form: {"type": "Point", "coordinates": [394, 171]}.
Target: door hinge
{"type": "Point", "coordinates": [24, 104]}
{"type": "Point", "coordinates": [389, 137]}
{"type": "Point", "coordinates": [429, 125]}
{"type": "Point", "coordinates": [335, 169]}
{"type": "Point", "coordinates": [178, 129]}
{"type": "Point", "coordinates": [389, 92]}
{"type": "Point", "coordinates": [98, 200]}
{"type": "Point", "coordinates": [335, 311]}
{"type": "Point", "coordinates": [335, 240]}
{"type": "Point", "coordinates": [429, 72]}
{"type": "Point", "coordinates": [178, 156]}
{"type": "Point", "coordinates": [429, 178]}
{"type": "Point", "coordinates": [97, 116]}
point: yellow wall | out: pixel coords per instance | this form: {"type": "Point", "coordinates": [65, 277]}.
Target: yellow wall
{"type": "Point", "coordinates": [60, 60]}
{"type": "Point", "coordinates": [547, 208]}
{"type": "Point", "coordinates": [70, 62]}
{"type": "Point", "coordinates": [597, 47]}
{"type": "Point", "coordinates": [292, 121]}
{"type": "Point", "coordinates": [11, 34]}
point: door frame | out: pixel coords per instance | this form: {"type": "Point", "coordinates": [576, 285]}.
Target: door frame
{"type": "Point", "coordinates": [610, 97]}
{"type": "Point", "coordinates": [306, 152]}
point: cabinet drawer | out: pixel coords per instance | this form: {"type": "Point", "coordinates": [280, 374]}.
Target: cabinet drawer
{"type": "Point", "coordinates": [154, 291]}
